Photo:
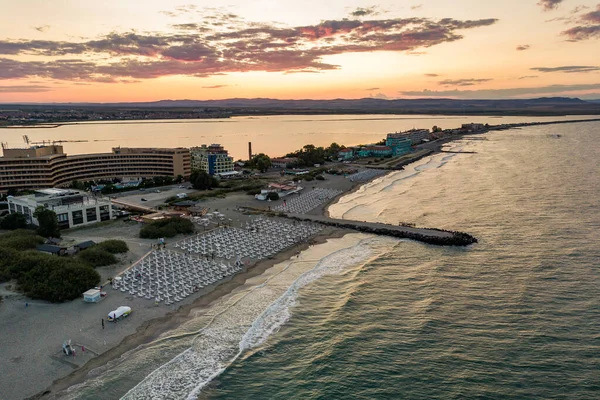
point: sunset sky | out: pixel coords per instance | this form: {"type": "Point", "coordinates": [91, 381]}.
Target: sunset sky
{"type": "Point", "coordinates": [134, 50]}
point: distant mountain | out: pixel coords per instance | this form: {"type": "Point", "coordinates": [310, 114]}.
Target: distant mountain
{"type": "Point", "coordinates": [241, 106]}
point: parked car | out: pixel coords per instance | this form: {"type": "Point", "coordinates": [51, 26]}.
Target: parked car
{"type": "Point", "coordinates": [143, 199]}
{"type": "Point", "coordinates": [157, 191]}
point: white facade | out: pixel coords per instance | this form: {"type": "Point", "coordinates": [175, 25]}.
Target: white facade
{"type": "Point", "coordinates": [416, 135]}
{"type": "Point", "coordinates": [72, 207]}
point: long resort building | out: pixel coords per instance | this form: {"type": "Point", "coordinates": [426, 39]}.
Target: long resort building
{"type": "Point", "coordinates": [43, 167]}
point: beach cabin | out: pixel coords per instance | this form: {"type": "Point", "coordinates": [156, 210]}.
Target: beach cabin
{"type": "Point", "coordinates": [51, 249]}
{"type": "Point", "coordinates": [84, 245]}
{"type": "Point", "coordinates": [92, 296]}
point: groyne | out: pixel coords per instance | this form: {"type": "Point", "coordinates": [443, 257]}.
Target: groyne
{"type": "Point", "coordinates": [437, 237]}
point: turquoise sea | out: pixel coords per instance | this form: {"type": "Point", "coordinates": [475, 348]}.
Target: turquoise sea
{"type": "Point", "coordinates": [516, 316]}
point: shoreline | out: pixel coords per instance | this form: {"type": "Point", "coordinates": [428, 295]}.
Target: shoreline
{"type": "Point", "coordinates": [151, 329]}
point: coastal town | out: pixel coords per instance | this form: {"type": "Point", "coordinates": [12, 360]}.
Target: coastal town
{"type": "Point", "coordinates": [140, 233]}
{"type": "Point", "coordinates": [156, 230]}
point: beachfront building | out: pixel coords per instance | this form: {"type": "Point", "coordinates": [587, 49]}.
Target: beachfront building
{"type": "Point", "coordinates": [375, 151]}
{"type": "Point", "coordinates": [399, 143]}
{"type": "Point", "coordinates": [283, 162]}
{"type": "Point", "coordinates": [345, 154]}
{"type": "Point", "coordinates": [280, 189]}
{"type": "Point", "coordinates": [213, 159]}
{"type": "Point", "coordinates": [47, 166]}
{"type": "Point", "coordinates": [72, 207]}
{"type": "Point", "coordinates": [473, 127]}
{"type": "Point", "coordinates": [416, 136]}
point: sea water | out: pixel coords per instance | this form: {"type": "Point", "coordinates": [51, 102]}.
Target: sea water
{"type": "Point", "coordinates": [516, 315]}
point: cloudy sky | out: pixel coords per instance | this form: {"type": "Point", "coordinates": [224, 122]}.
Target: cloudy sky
{"type": "Point", "coordinates": [144, 50]}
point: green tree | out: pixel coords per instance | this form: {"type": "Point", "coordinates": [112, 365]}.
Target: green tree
{"type": "Point", "coordinates": [179, 179]}
{"type": "Point", "coordinates": [261, 161]}
{"type": "Point", "coordinates": [14, 221]}
{"type": "Point", "coordinates": [333, 150]}
{"type": "Point", "coordinates": [77, 185]}
{"type": "Point", "coordinates": [201, 180]}
{"type": "Point", "coordinates": [48, 223]}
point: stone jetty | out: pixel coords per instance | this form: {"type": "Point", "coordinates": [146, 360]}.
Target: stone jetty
{"type": "Point", "coordinates": [426, 235]}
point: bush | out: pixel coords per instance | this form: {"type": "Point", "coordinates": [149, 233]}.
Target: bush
{"type": "Point", "coordinates": [320, 178]}
{"type": "Point", "coordinates": [97, 257]}
{"type": "Point", "coordinates": [56, 279]}
{"type": "Point", "coordinates": [8, 257]}
{"type": "Point", "coordinates": [253, 192]}
{"type": "Point", "coordinates": [21, 239]}
{"type": "Point", "coordinates": [166, 228]}
{"type": "Point", "coordinates": [14, 221]}
{"type": "Point", "coordinates": [273, 196]}
{"type": "Point", "coordinates": [39, 275]}
{"type": "Point", "coordinates": [114, 246]}
{"type": "Point", "coordinates": [308, 178]}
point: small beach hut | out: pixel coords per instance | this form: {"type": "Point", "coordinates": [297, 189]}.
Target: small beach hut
{"type": "Point", "coordinates": [51, 249]}
{"type": "Point", "coordinates": [84, 245]}
{"type": "Point", "coordinates": [92, 296]}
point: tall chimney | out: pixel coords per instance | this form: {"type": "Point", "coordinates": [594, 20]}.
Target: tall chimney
{"type": "Point", "coordinates": [249, 150]}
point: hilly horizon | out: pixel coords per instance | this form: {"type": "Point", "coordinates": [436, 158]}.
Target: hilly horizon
{"type": "Point", "coordinates": [256, 106]}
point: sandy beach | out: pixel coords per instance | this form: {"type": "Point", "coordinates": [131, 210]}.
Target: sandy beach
{"type": "Point", "coordinates": [33, 335]}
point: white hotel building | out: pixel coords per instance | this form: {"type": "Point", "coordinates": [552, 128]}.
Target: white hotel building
{"type": "Point", "coordinates": [72, 207]}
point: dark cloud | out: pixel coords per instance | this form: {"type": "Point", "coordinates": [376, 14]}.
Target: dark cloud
{"type": "Point", "coordinates": [188, 27]}
{"type": "Point", "coordinates": [523, 47]}
{"type": "Point", "coordinates": [528, 77]}
{"type": "Point", "coordinates": [502, 93]}
{"type": "Point", "coordinates": [463, 82]}
{"type": "Point", "coordinates": [416, 6]}
{"type": "Point", "coordinates": [373, 88]}
{"type": "Point", "coordinates": [568, 69]}
{"type": "Point", "coordinates": [25, 89]}
{"type": "Point", "coordinates": [431, 75]}
{"type": "Point", "coordinates": [579, 33]}
{"type": "Point", "coordinates": [214, 87]}
{"type": "Point", "coordinates": [592, 17]}
{"type": "Point", "coordinates": [241, 47]}
{"type": "Point", "coordinates": [42, 28]}
{"type": "Point", "coordinates": [588, 28]}
{"type": "Point", "coordinates": [363, 12]}
{"type": "Point", "coordinates": [548, 5]}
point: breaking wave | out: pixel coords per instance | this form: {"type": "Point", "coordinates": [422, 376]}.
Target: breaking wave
{"type": "Point", "coordinates": [241, 326]}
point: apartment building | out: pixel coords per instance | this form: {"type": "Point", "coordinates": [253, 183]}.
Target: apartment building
{"type": "Point", "coordinates": [213, 159]}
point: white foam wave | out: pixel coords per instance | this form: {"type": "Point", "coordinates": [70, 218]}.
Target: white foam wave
{"type": "Point", "coordinates": [246, 324]}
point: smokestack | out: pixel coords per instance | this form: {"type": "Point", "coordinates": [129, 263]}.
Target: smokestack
{"type": "Point", "coordinates": [249, 151]}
